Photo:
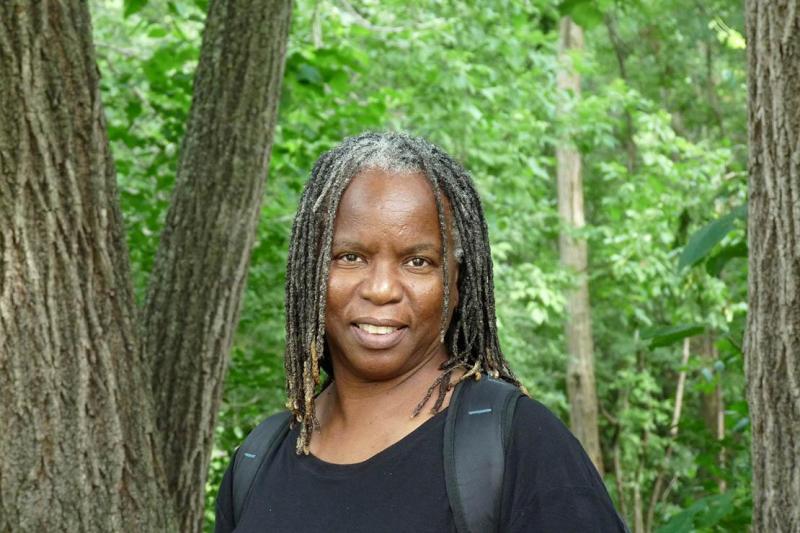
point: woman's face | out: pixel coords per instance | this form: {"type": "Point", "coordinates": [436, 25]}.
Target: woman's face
{"type": "Point", "coordinates": [385, 290]}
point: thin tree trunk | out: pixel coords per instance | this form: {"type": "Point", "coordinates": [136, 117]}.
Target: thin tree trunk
{"type": "Point", "coordinates": [195, 292]}
{"type": "Point", "coordinates": [772, 340]}
{"type": "Point", "coordinates": [638, 515]}
{"type": "Point", "coordinates": [619, 480]}
{"type": "Point", "coordinates": [712, 405]}
{"type": "Point", "coordinates": [711, 86]}
{"type": "Point", "coordinates": [77, 439]}
{"type": "Point", "coordinates": [659, 492]}
{"type": "Point", "coordinates": [580, 367]}
{"type": "Point", "coordinates": [710, 402]}
{"type": "Point", "coordinates": [621, 53]}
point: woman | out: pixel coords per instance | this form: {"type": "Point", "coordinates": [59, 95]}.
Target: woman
{"type": "Point", "coordinates": [389, 290]}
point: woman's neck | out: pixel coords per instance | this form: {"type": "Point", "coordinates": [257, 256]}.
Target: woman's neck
{"type": "Point", "coordinates": [352, 400]}
{"type": "Point", "coordinates": [359, 419]}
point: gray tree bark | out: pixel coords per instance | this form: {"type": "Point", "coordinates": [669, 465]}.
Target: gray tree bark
{"type": "Point", "coordinates": [75, 408]}
{"type": "Point", "coordinates": [196, 287]}
{"type": "Point", "coordinates": [106, 422]}
{"type": "Point", "coordinates": [772, 340]}
{"type": "Point", "coordinates": [573, 250]}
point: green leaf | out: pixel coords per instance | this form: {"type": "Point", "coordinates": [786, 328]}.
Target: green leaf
{"type": "Point", "coordinates": [734, 344]}
{"type": "Point", "coordinates": [667, 335]}
{"type": "Point", "coordinates": [309, 74]}
{"type": "Point", "coordinates": [133, 6]}
{"type": "Point", "coordinates": [340, 82]}
{"type": "Point", "coordinates": [741, 425]}
{"type": "Point", "coordinates": [704, 240]}
{"type": "Point", "coordinates": [679, 523]}
{"type": "Point", "coordinates": [156, 32]}
{"type": "Point", "coordinates": [717, 507]}
{"type": "Point", "coordinates": [133, 110]}
{"type": "Point", "coordinates": [704, 513]}
{"type": "Point", "coordinates": [174, 9]}
{"type": "Point", "coordinates": [585, 13]}
{"type": "Point", "coordinates": [716, 263]}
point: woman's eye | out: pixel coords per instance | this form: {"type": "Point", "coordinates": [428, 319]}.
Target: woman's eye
{"type": "Point", "coordinates": [349, 258]}
{"type": "Point", "coordinates": [418, 262]}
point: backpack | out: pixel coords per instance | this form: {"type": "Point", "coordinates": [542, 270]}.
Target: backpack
{"type": "Point", "coordinates": [477, 433]}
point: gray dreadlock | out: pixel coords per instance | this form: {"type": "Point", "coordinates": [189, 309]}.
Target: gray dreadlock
{"type": "Point", "coordinates": [471, 337]}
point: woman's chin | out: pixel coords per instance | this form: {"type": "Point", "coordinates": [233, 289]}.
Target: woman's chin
{"type": "Point", "coordinates": [377, 367]}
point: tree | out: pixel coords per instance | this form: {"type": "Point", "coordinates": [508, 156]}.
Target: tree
{"type": "Point", "coordinates": [573, 249]}
{"type": "Point", "coordinates": [107, 411]}
{"type": "Point", "coordinates": [772, 341]}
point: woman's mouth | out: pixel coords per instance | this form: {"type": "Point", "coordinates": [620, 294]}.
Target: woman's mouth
{"type": "Point", "coordinates": [377, 330]}
{"type": "Point", "coordinates": [375, 337]}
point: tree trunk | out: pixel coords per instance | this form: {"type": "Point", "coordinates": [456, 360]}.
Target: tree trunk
{"type": "Point", "coordinates": [195, 292]}
{"type": "Point", "coordinates": [659, 492]}
{"type": "Point", "coordinates": [772, 341]}
{"type": "Point", "coordinates": [573, 250]}
{"type": "Point", "coordinates": [620, 51]}
{"type": "Point", "coordinates": [77, 439]}
{"type": "Point", "coordinates": [106, 424]}
{"type": "Point", "coordinates": [712, 404]}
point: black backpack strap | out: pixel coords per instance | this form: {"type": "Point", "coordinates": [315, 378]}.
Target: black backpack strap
{"type": "Point", "coordinates": [476, 435]}
{"type": "Point", "coordinates": [252, 455]}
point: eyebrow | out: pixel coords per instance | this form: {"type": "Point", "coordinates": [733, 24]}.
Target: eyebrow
{"type": "Point", "coordinates": [425, 247]}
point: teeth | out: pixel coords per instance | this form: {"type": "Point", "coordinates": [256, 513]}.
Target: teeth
{"type": "Point", "coordinates": [377, 330]}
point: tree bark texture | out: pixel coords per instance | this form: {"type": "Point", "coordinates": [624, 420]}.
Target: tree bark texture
{"type": "Point", "coordinates": [573, 251]}
{"type": "Point", "coordinates": [196, 286]}
{"type": "Point", "coordinates": [107, 421]}
{"type": "Point", "coordinates": [772, 340]}
{"type": "Point", "coordinates": [77, 446]}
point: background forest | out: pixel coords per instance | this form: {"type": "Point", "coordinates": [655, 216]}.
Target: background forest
{"type": "Point", "coordinates": [661, 128]}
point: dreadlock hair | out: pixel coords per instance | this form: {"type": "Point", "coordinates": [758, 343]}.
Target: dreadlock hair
{"type": "Point", "coordinates": [471, 335]}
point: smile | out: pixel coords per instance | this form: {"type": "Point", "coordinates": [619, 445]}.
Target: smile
{"type": "Point", "coordinates": [375, 337]}
{"type": "Point", "coordinates": [377, 330]}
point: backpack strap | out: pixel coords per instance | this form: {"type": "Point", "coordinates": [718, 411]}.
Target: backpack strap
{"type": "Point", "coordinates": [477, 433]}
{"type": "Point", "coordinates": [252, 455]}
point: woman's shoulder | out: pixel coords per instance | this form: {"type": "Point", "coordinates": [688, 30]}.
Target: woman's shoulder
{"type": "Point", "coordinates": [551, 484]}
{"type": "Point", "coordinates": [543, 444]}
{"type": "Point", "coordinates": [533, 417]}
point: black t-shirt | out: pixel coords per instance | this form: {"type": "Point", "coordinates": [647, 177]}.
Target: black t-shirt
{"type": "Point", "coordinates": [549, 485]}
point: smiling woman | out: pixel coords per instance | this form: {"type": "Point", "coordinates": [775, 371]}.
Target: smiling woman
{"type": "Point", "coordinates": [385, 288]}
{"type": "Point", "coordinates": [342, 188]}
{"type": "Point", "coordinates": [390, 292]}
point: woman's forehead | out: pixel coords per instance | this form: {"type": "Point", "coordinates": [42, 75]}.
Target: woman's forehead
{"type": "Point", "coordinates": [390, 205]}
{"type": "Point", "coordinates": [377, 199]}
{"type": "Point", "coordinates": [389, 189]}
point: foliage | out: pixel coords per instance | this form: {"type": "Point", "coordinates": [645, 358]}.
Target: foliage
{"type": "Point", "coordinates": [661, 128]}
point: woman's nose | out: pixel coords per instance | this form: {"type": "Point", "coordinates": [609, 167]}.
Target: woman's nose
{"type": "Point", "coordinates": [382, 284]}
